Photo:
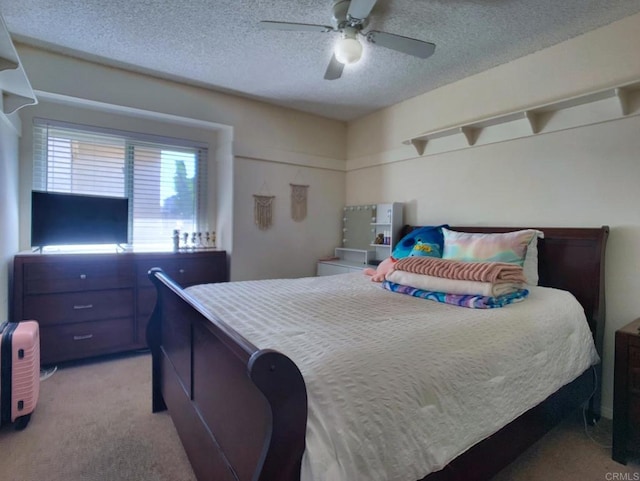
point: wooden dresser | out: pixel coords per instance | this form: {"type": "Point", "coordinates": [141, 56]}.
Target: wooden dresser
{"type": "Point", "coordinates": [626, 392]}
{"type": "Point", "coordinates": [93, 304]}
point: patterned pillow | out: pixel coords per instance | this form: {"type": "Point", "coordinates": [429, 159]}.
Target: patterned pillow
{"type": "Point", "coordinates": [424, 241]}
{"type": "Point", "coordinates": [508, 247]}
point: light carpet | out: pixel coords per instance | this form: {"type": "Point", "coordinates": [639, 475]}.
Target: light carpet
{"type": "Point", "coordinates": [94, 423]}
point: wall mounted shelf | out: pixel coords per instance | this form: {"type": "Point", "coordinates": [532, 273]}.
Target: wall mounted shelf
{"type": "Point", "coordinates": [592, 108]}
{"type": "Point", "coordinates": [14, 84]}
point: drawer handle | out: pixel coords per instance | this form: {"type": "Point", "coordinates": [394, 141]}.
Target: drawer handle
{"type": "Point", "coordinates": [83, 276]}
{"type": "Point", "coordinates": [83, 306]}
{"type": "Point", "coordinates": [82, 338]}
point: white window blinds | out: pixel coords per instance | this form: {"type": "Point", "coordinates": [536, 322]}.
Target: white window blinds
{"type": "Point", "coordinates": [164, 179]}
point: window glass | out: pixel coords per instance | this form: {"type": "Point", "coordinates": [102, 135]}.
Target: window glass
{"type": "Point", "coordinates": [165, 182]}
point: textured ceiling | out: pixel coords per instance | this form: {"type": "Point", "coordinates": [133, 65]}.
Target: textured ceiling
{"type": "Point", "coordinates": [218, 44]}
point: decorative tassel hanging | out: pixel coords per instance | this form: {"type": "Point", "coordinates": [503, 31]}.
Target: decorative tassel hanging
{"type": "Point", "coordinates": [298, 202]}
{"type": "Point", "coordinates": [263, 210]}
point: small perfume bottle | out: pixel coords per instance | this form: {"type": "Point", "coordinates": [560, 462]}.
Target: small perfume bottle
{"type": "Point", "coordinates": [176, 239]}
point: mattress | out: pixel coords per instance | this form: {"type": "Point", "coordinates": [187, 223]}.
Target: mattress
{"type": "Point", "coordinates": [399, 386]}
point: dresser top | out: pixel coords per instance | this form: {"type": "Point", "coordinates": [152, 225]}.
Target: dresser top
{"type": "Point", "coordinates": [125, 252]}
{"type": "Point", "coordinates": [631, 328]}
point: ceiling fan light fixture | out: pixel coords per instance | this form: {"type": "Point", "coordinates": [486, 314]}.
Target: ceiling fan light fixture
{"type": "Point", "coordinates": [348, 50]}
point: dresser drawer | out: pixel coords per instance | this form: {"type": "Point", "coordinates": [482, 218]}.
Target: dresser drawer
{"type": "Point", "coordinates": [74, 341]}
{"type": "Point", "coordinates": [634, 380]}
{"type": "Point", "coordinates": [634, 356]}
{"type": "Point", "coordinates": [186, 271]}
{"type": "Point", "coordinates": [77, 276]}
{"type": "Point", "coordinates": [99, 303]}
{"type": "Point", "coordinates": [633, 434]}
{"type": "Point", "coordinates": [146, 301]}
{"type": "Point", "coordinates": [51, 309]}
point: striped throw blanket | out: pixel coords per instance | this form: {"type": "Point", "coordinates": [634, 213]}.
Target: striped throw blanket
{"type": "Point", "coordinates": [461, 270]}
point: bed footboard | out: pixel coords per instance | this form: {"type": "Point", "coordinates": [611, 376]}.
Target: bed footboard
{"type": "Point", "coordinates": [212, 380]}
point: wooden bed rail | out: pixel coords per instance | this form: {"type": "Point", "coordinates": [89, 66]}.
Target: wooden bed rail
{"type": "Point", "coordinates": [216, 381]}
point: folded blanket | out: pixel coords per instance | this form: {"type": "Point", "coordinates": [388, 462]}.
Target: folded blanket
{"type": "Point", "coordinates": [474, 302]}
{"type": "Point", "coordinates": [462, 270]}
{"type": "Point", "coordinates": [452, 286]}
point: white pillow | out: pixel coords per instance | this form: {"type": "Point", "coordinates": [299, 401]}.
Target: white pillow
{"type": "Point", "coordinates": [530, 266]}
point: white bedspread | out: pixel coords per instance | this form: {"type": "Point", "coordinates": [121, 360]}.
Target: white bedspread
{"type": "Point", "coordinates": [399, 386]}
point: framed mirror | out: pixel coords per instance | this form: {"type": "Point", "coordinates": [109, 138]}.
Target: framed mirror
{"type": "Point", "coordinates": [356, 226]}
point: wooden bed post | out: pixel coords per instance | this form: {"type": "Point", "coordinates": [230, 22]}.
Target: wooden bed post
{"type": "Point", "coordinates": [271, 371]}
{"type": "Point", "coordinates": [597, 324]}
{"type": "Point", "coordinates": [154, 339]}
{"type": "Point", "coordinates": [241, 412]}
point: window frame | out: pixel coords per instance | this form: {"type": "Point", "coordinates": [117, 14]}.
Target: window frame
{"type": "Point", "coordinates": [130, 140]}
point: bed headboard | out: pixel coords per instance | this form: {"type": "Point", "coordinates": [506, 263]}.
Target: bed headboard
{"type": "Point", "coordinates": [569, 258]}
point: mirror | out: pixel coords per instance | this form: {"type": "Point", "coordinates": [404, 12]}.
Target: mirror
{"type": "Point", "coordinates": [356, 226]}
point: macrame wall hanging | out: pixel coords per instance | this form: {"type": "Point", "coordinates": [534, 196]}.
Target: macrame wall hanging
{"type": "Point", "coordinates": [298, 202]}
{"type": "Point", "coordinates": [263, 210]}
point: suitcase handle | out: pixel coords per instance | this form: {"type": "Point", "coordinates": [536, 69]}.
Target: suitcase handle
{"type": "Point", "coordinates": [83, 306]}
{"type": "Point", "coordinates": [82, 338]}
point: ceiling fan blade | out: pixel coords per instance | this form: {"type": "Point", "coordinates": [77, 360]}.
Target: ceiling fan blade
{"type": "Point", "coordinates": [334, 69]}
{"type": "Point", "coordinates": [303, 27]}
{"type": "Point", "coordinates": [361, 9]}
{"type": "Point", "coordinates": [411, 46]}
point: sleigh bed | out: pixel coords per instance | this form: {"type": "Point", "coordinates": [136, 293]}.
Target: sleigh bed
{"type": "Point", "coordinates": [243, 412]}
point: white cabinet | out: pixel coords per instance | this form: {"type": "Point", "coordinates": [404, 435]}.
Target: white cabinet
{"type": "Point", "coordinates": [330, 268]}
{"type": "Point", "coordinates": [387, 225]}
{"type": "Point", "coordinates": [346, 260]}
{"type": "Point", "coordinates": [374, 229]}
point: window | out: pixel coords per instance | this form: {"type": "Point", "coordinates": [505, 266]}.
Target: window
{"type": "Point", "coordinates": [164, 179]}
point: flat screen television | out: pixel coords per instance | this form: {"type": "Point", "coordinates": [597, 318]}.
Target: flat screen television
{"type": "Point", "coordinates": [73, 219]}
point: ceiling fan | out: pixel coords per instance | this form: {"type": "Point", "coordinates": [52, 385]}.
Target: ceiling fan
{"type": "Point", "coordinates": [350, 17]}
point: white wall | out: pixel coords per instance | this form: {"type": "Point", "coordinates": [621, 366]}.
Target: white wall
{"type": "Point", "coordinates": [8, 207]}
{"type": "Point", "coordinates": [278, 143]}
{"type": "Point", "coordinates": [290, 248]}
{"type": "Point", "coordinates": [585, 176]}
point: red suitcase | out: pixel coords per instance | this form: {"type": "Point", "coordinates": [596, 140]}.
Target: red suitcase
{"type": "Point", "coordinates": [19, 372]}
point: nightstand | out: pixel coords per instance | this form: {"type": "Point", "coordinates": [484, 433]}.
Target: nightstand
{"type": "Point", "coordinates": [626, 392]}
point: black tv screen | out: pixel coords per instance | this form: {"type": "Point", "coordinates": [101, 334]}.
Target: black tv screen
{"type": "Point", "coordinates": [72, 219]}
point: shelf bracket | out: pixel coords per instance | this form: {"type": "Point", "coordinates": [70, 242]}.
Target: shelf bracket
{"type": "Point", "coordinates": [420, 145]}
{"type": "Point", "coordinates": [6, 64]}
{"type": "Point", "coordinates": [471, 134]}
{"type": "Point", "coordinates": [623, 99]}
{"type": "Point", "coordinates": [532, 117]}
{"type": "Point", "coordinates": [12, 102]}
